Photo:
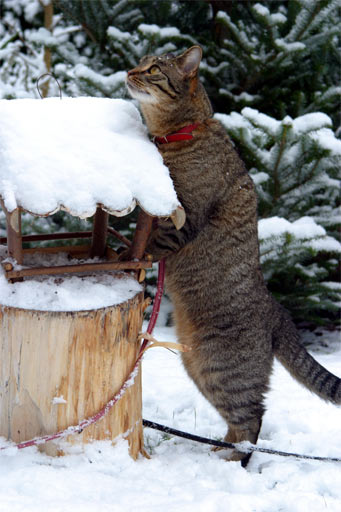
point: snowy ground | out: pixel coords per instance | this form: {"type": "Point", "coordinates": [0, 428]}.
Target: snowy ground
{"type": "Point", "coordinates": [183, 476]}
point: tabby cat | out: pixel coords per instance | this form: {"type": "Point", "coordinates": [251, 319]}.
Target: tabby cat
{"type": "Point", "coordinates": [222, 307]}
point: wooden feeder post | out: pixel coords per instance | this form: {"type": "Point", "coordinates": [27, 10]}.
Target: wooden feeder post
{"type": "Point", "coordinates": [58, 368]}
{"type": "Point", "coordinates": [99, 233]}
{"type": "Point", "coordinates": [14, 240]}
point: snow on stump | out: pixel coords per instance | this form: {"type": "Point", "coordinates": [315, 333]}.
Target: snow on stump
{"type": "Point", "coordinates": [70, 316]}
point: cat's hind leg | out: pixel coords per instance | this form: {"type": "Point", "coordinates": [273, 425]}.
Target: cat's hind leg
{"type": "Point", "coordinates": [249, 431]}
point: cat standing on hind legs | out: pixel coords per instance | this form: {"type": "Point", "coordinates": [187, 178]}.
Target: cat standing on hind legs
{"type": "Point", "coordinates": [222, 308]}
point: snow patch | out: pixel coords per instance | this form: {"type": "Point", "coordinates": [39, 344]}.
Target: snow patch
{"type": "Point", "coordinates": [282, 44]}
{"type": "Point", "coordinates": [58, 400]}
{"type": "Point", "coordinates": [310, 122]}
{"type": "Point", "coordinates": [328, 141]}
{"type": "Point", "coordinates": [305, 227]}
{"type": "Point", "coordinates": [160, 31]}
{"type": "Point", "coordinates": [183, 476]}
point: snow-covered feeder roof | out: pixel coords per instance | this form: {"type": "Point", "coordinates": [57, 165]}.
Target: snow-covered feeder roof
{"type": "Point", "coordinates": [77, 153]}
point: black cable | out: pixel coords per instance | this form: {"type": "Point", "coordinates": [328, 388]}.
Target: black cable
{"type": "Point", "coordinates": [222, 444]}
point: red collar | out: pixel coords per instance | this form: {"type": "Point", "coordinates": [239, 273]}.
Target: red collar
{"type": "Point", "coordinates": [184, 133]}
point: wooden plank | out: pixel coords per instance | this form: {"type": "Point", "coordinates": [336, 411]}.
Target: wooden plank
{"type": "Point", "coordinates": [99, 233]}
{"type": "Point", "coordinates": [44, 237]}
{"type": "Point", "coordinates": [82, 267]}
{"type": "Point", "coordinates": [71, 249]}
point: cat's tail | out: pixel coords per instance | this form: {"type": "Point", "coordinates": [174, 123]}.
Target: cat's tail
{"type": "Point", "coordinates": [302, 366]}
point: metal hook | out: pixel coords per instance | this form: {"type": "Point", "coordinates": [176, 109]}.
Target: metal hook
{"type": "Point", "coordinates": [48, 74]}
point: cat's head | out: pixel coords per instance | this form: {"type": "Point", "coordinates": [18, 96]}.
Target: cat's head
{"type": "Point", "coordinates": [169, 90]}
{"type": "Point", "coordinates": [160, 79]}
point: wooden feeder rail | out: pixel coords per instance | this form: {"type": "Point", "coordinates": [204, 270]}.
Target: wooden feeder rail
{"type": "Point", "coordinates": [67, 235]}
{"type": "Point", "coordinates": [81, 267]}
{"type": "Point", "coordinates": [118, 235]}
{"type": "Point", "coordinates": [98, 247]}
{"type": "Point", "coordinates": [51, 236]}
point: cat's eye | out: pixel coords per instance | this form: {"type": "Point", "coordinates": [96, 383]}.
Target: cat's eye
{"type": "Point", "coordinates": [153, 70]}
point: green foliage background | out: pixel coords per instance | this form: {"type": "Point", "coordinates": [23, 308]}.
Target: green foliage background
{"type": "Point", "coordinates": [270, 68]}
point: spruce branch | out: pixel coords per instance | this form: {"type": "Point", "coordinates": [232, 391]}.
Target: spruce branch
{"type": "Point", "coordinates": [71, 15]}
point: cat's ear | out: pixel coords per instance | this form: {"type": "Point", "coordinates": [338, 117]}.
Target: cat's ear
{"type": "Point", "coordinates": [189, 61]}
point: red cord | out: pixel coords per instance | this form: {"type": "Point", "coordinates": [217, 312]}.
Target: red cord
{"type": "Point", "coordinates": [158, 296]}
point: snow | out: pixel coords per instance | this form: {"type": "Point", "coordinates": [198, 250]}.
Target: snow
{"type": "Point", "coordinates": [328, 141]}
{"type": "Point", "coordinates": [261, 9]}
{"type": "Point", "coordinates": [310, 122]}
{"type": "Point", "coordinates": [304, 228]}
{"type": "Point", "coordinates": [115, 33]}
{"type": "Point", "coordinates": [332, 285]}
{"type": "Point", "coordinates": [289, 47]}
{"type": "Point", "coordinates": [67, 292]}
{"type": "Point", "coordinates": [154, 30]}
{"type": "Point", "coordinates": [233, 120]}
{"type": "Point", "coordinates": [58, 400]}
{"type": "Point", "coordinates": [250, 115]}
{"type": "Point", "coordinates": [316, 124]}
{"type": "Point", "coordinates": [329, 244]}
{"type": "Point", "coordinates": [273, 19]}
{"type": "Point", "coordinates": [107, 83]}
{"type": "Point", "coordinates": [75, 153]}
{"type": "Point", "coordinates": [266, 122]}
{"type": "Point", "coordinates": [259, 177]}
{"type": "Point", "coordinates": [278, 18]}
{"type": "Point", "coordinates": [183, 476]}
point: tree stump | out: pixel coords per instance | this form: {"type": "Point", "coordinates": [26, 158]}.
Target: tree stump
{"type": "Point", "coordinates": [58, 368]}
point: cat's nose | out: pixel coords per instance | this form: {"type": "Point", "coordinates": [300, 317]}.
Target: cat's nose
{"type": "Point", "coordinates": [132, 72]}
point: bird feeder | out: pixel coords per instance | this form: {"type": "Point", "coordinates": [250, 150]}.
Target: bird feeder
{"type": "Point", "coordinates": [91, 158]}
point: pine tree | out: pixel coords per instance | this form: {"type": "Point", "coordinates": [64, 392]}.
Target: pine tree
{"type": "Point", "coordinates": [295, 165]}
{"type": "Point", "coordinates": [280, 58]}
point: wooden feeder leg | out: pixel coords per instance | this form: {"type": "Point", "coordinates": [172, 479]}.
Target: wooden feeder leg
{"type": "Point", "coordinates": [99, 233]}
{"type": "Point", "coordinates": [14, 238]}
{"type": "Point", "coordinates": [143, 229]}
{"type": "Point", "coordinates": [138, 246]}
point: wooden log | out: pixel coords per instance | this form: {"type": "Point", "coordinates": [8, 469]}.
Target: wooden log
{"type": "Point", "coordinates": [82, 356]}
